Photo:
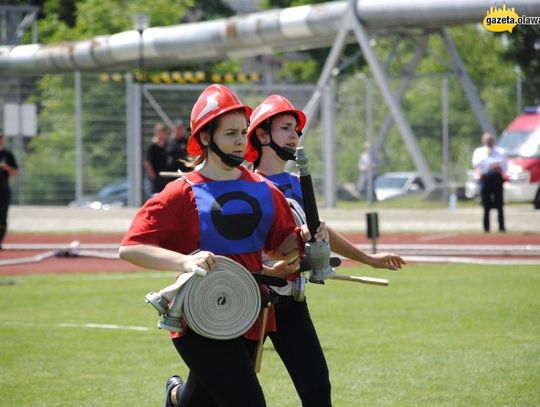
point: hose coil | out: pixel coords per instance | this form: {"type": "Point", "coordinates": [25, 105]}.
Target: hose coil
{"type": "Point", "coordinates": [222, 305]}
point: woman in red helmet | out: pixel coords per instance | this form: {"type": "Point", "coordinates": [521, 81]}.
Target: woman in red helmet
{"type": "Point", "coordinates": [190, 216]}
{"type": "Point", "coordinates": [272, 140]}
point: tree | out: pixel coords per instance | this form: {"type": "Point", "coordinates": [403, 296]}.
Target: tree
{"type": "Point", "coordinates": [53, 152]}
{"type": "Point", "coordinates": [493, 77]}
{"type": "Point", "coordinates": [524, 51]}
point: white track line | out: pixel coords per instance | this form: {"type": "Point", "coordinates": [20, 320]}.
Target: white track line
{"type": "Point", "coordinates": [470, 260]}
{"type": "Point", "coordinates": [117, 276]}
{"type": "Point", "coordinates": [85, 326]}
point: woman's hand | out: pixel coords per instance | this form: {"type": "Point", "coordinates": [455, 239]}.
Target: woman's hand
{"type": "Point", "coordinates": [282, 268]}
{"type": "Point", "coordinates": [203, 259]}
{"type": "Point", "coordinates": [288, 249]}
{"type": "Point", "coordinates": [321, 235]}
{"type": "Point", "coordinates": [389, 261]}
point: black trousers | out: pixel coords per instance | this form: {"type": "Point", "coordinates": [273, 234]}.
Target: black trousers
{"type": "Point", "coordinates": [221, 372]}
{"type": "Point", "coordinates": [5, 198]}
{"type": "Point", "coordinates": [491, 190]}
{"type": "Point", "coordinates": [298, 346]}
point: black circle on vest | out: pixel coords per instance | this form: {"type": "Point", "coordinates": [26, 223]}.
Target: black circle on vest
{"type": "Point", "coordinates": [236, 227]}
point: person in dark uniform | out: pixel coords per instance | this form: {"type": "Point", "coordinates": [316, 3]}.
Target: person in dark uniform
{"type": "Point", "coordinates": [490, 164]}
{"type": "Point", "coordinates": [176, 148]}
{"type": "Point", "coordinates": [156, 158]}
{"type": "Point", "coordinates": [8, 168]}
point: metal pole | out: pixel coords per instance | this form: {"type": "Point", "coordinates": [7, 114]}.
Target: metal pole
{"type": "Point", "coordinates": [466, 83]}
{"type": "Point", "coordinates": [329, 65]}
{"type": "Point", "coordinates": [408, 76]}
{"type": "Point", "coordinates": [137, 145]}
{"type": "Point", "coordinates": [369, 130]}
{"type": "Point", "coordinates": [79, 163]}
{"type": "Point", "coordinates": [130, 137]}
{"type": "Point", "coordinates": [19, 150]}
{"type": "Point", "coordinates": [141, 111]}
{"type": "Point", "coordinates": [329, 115]}
{"type": "Point", "coordinates": [519, 91]}
{"type": "Point", "coordinates": [326, 73]}
{"type": "Point", "coordinates": [445, 140]}
{"type": "Point", "coordinates": [141, 21]}
{"type": "Point", "coordinates": [395, 109]}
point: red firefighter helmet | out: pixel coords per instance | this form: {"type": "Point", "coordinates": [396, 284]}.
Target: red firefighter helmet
{"type": "Point", "coordinates": [272, 105]}
{"type": "Point", "coordinates": [214, 101]}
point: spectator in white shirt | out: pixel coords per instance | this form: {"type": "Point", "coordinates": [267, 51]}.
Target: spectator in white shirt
{"type": "Point", "coordinates": [490, 164]}
{"type": "Point", "coordinates": [368, 166]}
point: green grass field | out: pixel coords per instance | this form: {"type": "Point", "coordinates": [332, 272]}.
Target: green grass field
{"type": "Point", "coordinates": [439, 335]}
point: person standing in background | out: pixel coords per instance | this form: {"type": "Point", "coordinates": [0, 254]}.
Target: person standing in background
{"type": "Point", "coordinates": [368, 165]}
{"type": "Point", "coordinates": [176, 148]}
{"type": "Point", "coordinates": [156, 158]}
{"type": "Point", "coordinates": [8, 168]}
{"type": "Point", "coordinates": [490, 164]}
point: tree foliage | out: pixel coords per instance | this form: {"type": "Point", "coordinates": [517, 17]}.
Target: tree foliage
{"type": "Point", "coordinates": [493, 77]}
{"type": "Point", "coordinates": [490, 59]}
{"type": "Point", "coordinates": [524, 51]}
{"type": "Point", "coordinates": [53, 152]}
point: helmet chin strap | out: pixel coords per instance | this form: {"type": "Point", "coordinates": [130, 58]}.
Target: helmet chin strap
{"type": "Point", "coordinates": [229, 160]}
{"type": "Point", "coordinates": [286, 154]}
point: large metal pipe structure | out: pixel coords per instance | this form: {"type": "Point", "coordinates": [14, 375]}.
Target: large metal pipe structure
{"type": "Point", "coordinates": [268, 32]}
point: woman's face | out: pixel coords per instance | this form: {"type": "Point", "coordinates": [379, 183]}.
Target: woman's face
{"type": "Point", "coordinates": [284, 131]}
{"type": "Point", "coordinates": [229, 134]}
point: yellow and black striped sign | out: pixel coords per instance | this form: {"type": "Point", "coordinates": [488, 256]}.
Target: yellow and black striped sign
{"type": "Point", "coordinates": [184, 77]}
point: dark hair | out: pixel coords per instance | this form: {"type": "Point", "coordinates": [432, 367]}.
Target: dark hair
{"type": "Point", "coordinates": [192, 162]}
{"type": "Point", "coordinates": [210, 128]}
{"type": "Point", "coordinates": [267, 127]}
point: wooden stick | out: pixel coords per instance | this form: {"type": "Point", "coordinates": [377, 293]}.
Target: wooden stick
{"type": "Point", "coordinates": [365, 280]}
{"type": "Point", "coordinates": [260, 347]}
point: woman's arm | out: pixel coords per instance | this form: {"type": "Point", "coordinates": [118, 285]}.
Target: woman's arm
{"type": "Point", "coordinates": [158, 258]}
{"type": "Point", "coordinates": [11, 171]}
{"type": "Point", "coordinates": [282, 268]}
{"type": "Point", "coordinates": [289, 248]}
{"type": "Point", "coordinates": [340, 245]}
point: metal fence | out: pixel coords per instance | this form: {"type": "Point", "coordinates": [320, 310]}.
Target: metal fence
{"type": "Point", "coordinates": [88, 126]}
{"type": "Point", "coordinates": [89, 123]}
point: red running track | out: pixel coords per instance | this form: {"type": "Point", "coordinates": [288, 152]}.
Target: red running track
{"type": "Point", "coordinates": [90, 264]}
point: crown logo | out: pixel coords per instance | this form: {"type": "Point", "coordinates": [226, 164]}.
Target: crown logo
{"type": "Point", "coordinates": [500, 19]}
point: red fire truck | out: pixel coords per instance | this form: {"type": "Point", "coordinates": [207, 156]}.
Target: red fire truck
{"type": "Point", "coordinates": [521, 143]}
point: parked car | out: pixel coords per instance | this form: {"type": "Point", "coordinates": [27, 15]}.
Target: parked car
{"type": "Point", "coordinates": [391, 185]}
{"type": "Point", "coordinates": [472, 186]}
{"type": "Point", "coordinates": [344, 192]}
{"type": "Point", "coordinates": [114, 194]}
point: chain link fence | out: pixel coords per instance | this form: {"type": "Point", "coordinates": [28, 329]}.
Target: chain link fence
{"type": "Point", "coordinates": [56, 168]}
{"type": "Point", "coordinates": [53, 163]}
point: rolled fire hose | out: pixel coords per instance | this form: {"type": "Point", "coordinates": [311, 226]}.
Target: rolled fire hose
{"type": "Point", "coordinates": [222, 305]}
